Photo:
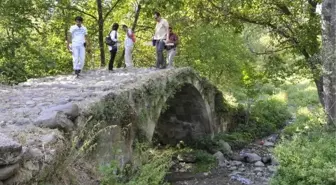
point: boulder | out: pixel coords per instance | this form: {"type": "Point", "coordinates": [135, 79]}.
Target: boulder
{"type": "Point", "coordinates": [220, 158]}
{"type": "Point", "coordinates": [186, 157]}
{"type": "Point", "coordinates": [69, 109]}
{"type": "Point", "coordinates": [266, 159]}
{"type": "Point", "coordinates": [251, 157]}
{"type": "Point", "coordinates": [49, 139]}
{"type": "Point", "coordinates": [225, 147]}
{"type": "Point", "coordinates": [259, 164]}
{"type": "Point", "coordinates": [8, 171]}
{"type": "Point", "coordinates": [54, 120]}
{"type": "Point", "coordinates": [268, 144]}
{"type": "Point", "coordinates": [10, 151]}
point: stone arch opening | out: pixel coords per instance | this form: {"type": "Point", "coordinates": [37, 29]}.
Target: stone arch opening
{"type": "Point", "coordinates": [185, 118]}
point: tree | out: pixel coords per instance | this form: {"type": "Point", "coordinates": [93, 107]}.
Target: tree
{"type": "Point", "coordinates": [294, 26]}
{"type": "Point", "coordinates": [329, 58]}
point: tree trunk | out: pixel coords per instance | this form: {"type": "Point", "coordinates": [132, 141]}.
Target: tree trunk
{"type": "Point", "coordinates": [329, 56]}
{"type": "Point", "coordinates": [101, 32]}
{"type": "Point", "coordinates": [136, 18]}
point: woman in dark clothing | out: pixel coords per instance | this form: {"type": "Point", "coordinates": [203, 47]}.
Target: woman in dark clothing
{"type": "Point", "coordinates": [113, 49]}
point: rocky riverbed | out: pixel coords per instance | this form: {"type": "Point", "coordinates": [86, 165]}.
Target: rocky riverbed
{"type": "Point", "coordinates": [253, 165]}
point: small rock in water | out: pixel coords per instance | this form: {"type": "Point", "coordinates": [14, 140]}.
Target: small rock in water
{"type": "Point", "coordinates": [273, 138]}
{"type": "Point", "coordinates": [259, 164]}
{"type": "Point", "coordinates": [258, 169]}
{"type": "Point", "coordinates": [233, 168]}
{"type": "Point", "coordinates": [266, 159]}
{"type": "Point", "coordinates": [236, 163]}
{"type": "Point", "coordinates": [252, 157]}
{"type": "Point", "coordinates": [268, 144]}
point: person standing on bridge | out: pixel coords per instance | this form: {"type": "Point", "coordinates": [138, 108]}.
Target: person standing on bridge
{"type": "Point", "coordinates": [113, 48]}
{"type": "Point", "coordinates": [171, 47]}
{"type": "Point", "coordinates": [161, 36]}
{"type": "Point", "coordinates": [78, 38]}
{"type": "Point", "coordinates": [129, 43]}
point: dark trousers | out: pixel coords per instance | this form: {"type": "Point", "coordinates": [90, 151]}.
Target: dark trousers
{"type": "Point", "coordinates": [113, 54]}
{"type": "Point", "coordinates": [160, 61]}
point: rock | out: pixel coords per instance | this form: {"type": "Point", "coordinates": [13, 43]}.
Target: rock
{"type": "Point", "coordinates": [30, 103]}
{"type": "Point", "coordinates": [233, 168]}
{"type": "Point", "coordinates": [220, 158]}
{"type": "Point", "coordinates": [273, 138]}
{"type": "Point", "coordinates": [274, 161]}
{"type": "Point", "coordinates": [8, 171]}
{"type": "Point", "coordinates": [69, 109]}
{"type": "Point", "coordinates": [241, 169]}
{"type": "Point", "coordinates": [186, 157]}
{"type": "Point", "coordinates": [49, 139]}
{"type": "Point", "coordinates": [236, 163]}
{"type": "Point", "coordinates": [259, 164]}
{"type": "Point", "coordinates": [31, 166]}
{"type": "Point", "coordinates": [237, 157]}
{"type": "Point", "coordinates": [1, 183]}
{"type": "Point", "coordinates": [259, 174]}
{"type": "Point", "coordinates": [258, 169]}
{"type": "Point", "coordinates": [225, 147]}
{"type": "Point", "coordinates": [266, 159]}
{"type": "Point", "coordinates": [268, 144]}
{"type": "Point", "coordinates": [251, 157]}
{"type": "Point", "coordinates": [10, 150]}
{"type": "Point", "coordinates": [272, 168]}
{"type": "Point", "coordinates": [55, 120]}
{"type": "Point", "coordinates": [33, 153]}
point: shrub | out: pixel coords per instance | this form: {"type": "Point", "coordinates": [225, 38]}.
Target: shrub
{"type": "Point", "coordinates": [204, 161]}
{"type": "Point", "coordinates": [266, 117]}
{"type": "Point", "coordinates": [150, 167]}
{"type": "Point", "coordinates": [307, 159]}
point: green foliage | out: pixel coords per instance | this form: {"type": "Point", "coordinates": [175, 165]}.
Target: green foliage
{"type": "Point", "coordinates": [150, 168]}
{"type": "Point", "coordinates": [307, 159]}
{"type": "Point", "coordinates": [266, 117]}
{"type": "Point", "coordinates": [204, 161]}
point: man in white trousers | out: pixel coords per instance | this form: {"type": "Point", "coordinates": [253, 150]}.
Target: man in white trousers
{"type": "Point", "coordinates": [78, 38]}
{"type": "Point", "coordinates": [129, 43]}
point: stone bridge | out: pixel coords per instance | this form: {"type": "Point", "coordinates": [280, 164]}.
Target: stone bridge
{"type": "Point", "coordinates": [48, 125]}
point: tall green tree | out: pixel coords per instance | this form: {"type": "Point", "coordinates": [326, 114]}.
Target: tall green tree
{"type": "Point", "coordinates": [293, 25]}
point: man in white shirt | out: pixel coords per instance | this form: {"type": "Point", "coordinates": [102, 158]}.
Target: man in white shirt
{"type": "Point", "coordinates": [129, 43]}
{"type": "Point", "coordinates": [161, 36]}
{"type": "Point", "coordinates": [78, 38]}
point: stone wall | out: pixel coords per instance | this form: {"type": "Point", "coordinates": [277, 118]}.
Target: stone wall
{"type": "Point", "coordinates": [59, 122]}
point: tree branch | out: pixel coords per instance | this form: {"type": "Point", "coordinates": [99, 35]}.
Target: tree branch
{"type": "Point", "coordinates": [110, 10]}
{"type": "Point", "coordinates": [78, 10]}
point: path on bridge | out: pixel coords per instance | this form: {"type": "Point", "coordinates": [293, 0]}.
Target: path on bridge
{"type": "Point", "coordinates": [21, 104]}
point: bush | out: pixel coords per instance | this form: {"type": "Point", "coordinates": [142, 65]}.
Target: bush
{"type": "Point", "coordinates": [266, 117]}
{"type": "Point", "coordinates": [204, 161]}
{"type": "Point", "coordinates": [307, 159]}
{"type": "Point", "coordinates": [150, 168]}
